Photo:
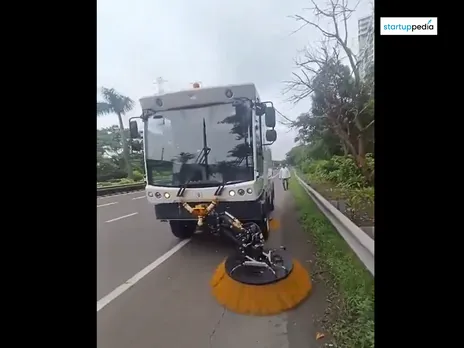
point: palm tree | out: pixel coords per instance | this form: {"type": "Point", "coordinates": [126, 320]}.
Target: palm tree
{"type": "Point", "coordinates": [116, 103]}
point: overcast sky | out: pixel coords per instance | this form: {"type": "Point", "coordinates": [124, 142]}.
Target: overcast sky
{"type": "Point", "coordinates": [215, 42]}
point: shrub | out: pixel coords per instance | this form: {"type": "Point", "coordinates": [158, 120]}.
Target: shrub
{"type": "Point", "coordinates": [361, 204]}
{"type": "Point", "coordinates": [339, 170]}
{"type": "Point", "coordinates": [138, 176]}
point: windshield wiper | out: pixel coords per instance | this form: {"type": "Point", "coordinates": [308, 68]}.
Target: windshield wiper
{"type": "Point", "coordinates": [206, 150]}
{"type": "Point", "coordinates": [202, 158]}
{"type": "Point", "coordinates": [223, 185]}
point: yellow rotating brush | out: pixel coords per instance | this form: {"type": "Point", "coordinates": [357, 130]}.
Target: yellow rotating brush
{"type": "Point", "coordinates": [260, 296]}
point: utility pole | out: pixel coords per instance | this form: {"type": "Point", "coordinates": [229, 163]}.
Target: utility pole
{"type": "Point", "coordinates": [160, 82]}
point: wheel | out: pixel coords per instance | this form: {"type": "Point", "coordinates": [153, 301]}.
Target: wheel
{"type": "Point", "coordinates": [264, 226]}
{"type": "Point", "coordinates": [183, 229]}
{"type": "Point", "coordinates": [271, 203]}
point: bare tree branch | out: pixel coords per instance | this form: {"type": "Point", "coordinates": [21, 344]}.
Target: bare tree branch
{"type": "Point", "coordinates": [368, 126]}
{"type": "Point", "coordinates": [287, 121]}
{"type": "Point", "coordinates": [336, 10]}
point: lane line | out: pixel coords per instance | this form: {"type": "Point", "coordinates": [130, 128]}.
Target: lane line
{"type": "Point", "coordinates": [138, 198]}
{"type": "Point", "coordinates": [106, 204]}
{"type": "Point", "coordinates": [121, 217]}
{"type": "Point", "coordinates": [105, 300]}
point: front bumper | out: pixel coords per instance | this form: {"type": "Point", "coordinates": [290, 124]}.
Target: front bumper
{"type": "Point", "coordinates": [248, 210]}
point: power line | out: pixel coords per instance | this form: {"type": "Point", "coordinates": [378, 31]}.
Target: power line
{"type": "Point", "coordinates": [283, 116]}
{"type": "Point", "coordinates": [288, 122]}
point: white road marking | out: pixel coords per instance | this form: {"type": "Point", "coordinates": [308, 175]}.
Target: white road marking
{"type": "Point", "coordinates": [121, 217]}
{"type": "Point", "coordinates": [138, 198]}
{"type": "Point", "coordinates": [104, 205]}
{"type": "Point", "coordinates": [105, 300]}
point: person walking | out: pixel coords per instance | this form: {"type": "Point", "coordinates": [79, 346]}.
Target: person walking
{"type": "Point", "coordinates": [284, 175]}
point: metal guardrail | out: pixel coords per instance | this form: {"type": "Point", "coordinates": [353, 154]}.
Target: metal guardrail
{"type": "Point", "coordinates": [102, 191]}
{"type": "Point", "coordinates": [357, 239]}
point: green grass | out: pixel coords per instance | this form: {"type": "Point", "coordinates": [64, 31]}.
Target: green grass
{"type": "Point", "coordinates": [352, 305]}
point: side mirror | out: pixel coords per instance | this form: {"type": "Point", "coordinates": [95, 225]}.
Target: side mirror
{"type": "Point", "coordinates": [260, 109]}
{"type": "Point", "coordinates": [134, 130]}
{"type": "Point", "coordinates": [271, 135]}
{"type": "Point", "coordinates": [270, 117]}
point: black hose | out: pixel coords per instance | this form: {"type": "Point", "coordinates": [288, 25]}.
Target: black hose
{"type": "Point", "coordinates": [231, 236]}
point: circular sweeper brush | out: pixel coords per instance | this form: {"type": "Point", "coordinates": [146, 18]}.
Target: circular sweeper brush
{"type": "Point", "coordinates": [257, 288]}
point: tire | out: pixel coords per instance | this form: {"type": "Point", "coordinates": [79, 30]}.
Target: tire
{"type": "Point", "coordinates": [271, 203]}
{"type": "Point", "coordinates": [183, 229]}
{"type": "Point", "coordinates": [264, 226]}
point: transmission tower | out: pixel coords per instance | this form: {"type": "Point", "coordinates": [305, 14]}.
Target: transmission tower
{"type": "Point", "coordinates": [160, 83]}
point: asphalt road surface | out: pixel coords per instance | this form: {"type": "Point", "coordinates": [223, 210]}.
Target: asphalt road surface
{"type": "Point", "coordinates": [153, 292]}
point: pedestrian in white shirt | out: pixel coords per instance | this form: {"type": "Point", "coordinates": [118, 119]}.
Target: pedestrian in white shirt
{"type": "Point", "coordinates": [284, 175]}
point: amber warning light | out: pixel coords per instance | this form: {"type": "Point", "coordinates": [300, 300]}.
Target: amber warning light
{"type": "Point", "coordinates": [196, 85]}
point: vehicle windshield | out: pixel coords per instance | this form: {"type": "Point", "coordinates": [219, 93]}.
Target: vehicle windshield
{"type": "Point", "coordinates": [200, 147]}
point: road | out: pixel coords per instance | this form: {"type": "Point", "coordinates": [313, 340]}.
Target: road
{"type": "Point", "coordinates": [169, 304]}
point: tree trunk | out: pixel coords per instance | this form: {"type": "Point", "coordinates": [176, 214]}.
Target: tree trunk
{"type": "Point", "coordinates": [359, 153]}
{"type": "Point", "coordinates": [345, 148]}
{"type": "Point", "coordinates": [361, 158]}
{"type": "Point", "coordinates": [344, 137]}
{"type": "Point", "coordinates": [125, 149]}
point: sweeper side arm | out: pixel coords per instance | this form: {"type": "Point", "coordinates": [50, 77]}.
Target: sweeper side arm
{"type": "Point", "coordinates": [251, 256]}
{"type": "Point", "coordinates": [253, 280]}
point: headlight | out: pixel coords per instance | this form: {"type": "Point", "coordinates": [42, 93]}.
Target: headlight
{"type": "Point", "coordinates": [232, 193]}
{"type": "Point", "coordinates": [249, 191]}
{"type": "Point", "coordinates": [157, 195]}
{"type": "Point", "coordinates": [150, 194]}
{"type": "Point", "coordinates": [241, 192]}
{"type": "Point", "coordinates": [229, 93]}
{"type": "Point", "coordinates": [167, 195]}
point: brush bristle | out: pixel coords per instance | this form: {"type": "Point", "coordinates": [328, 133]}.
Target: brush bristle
{"type": "Point", "coordinates": [261, 300]}
{"type": "Point", "coordinates": [274, 225]}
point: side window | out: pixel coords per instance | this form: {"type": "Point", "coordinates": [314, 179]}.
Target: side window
{"type": "Point", "coordinates": [259, 145]}
{"type": "Point", "coordinates": [263, 130]}
{"type": "Point", "coordinates": [258, 132]}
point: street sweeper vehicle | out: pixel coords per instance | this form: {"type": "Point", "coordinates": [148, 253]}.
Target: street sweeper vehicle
{"type": "Point", "coordinates": [209, 167]}
{"type": "Point", "coordinates": [206, 144]}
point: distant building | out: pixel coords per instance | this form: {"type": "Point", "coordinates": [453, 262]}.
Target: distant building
{"type": "Point", "coordinates": [366, 43]}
